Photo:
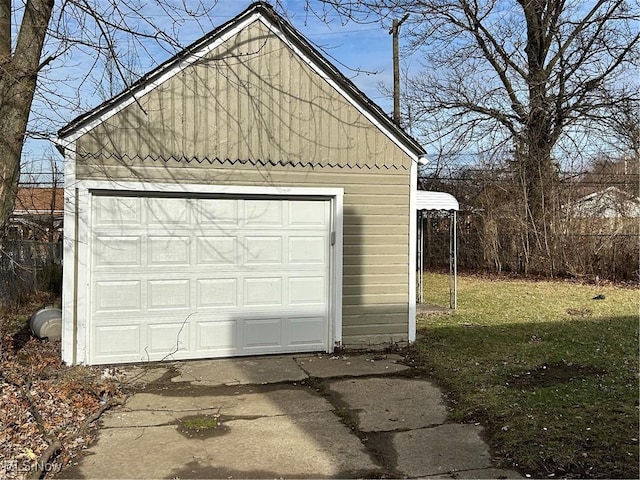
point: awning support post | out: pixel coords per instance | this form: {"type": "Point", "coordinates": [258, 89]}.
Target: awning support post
{"type": "Point", "coordinates": [420, 255]}
{"type": "Point", "coordinates": [453, 263]}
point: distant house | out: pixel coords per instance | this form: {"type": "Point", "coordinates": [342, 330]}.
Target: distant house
{"type": "Point", "coordinates": [606, 212]}
{"type": "Point", "coordinates": [37, 214]}
{"type": "Point", "coordinates": [608, 203]}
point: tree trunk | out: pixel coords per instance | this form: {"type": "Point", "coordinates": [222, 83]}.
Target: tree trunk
{"type": "Point", "coordinates": [18, 79]}
{"type": "Point", "coordinates": [539, 175]}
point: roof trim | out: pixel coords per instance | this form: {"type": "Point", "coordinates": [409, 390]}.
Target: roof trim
{"type": "Point", "coordinates": [286, 32]}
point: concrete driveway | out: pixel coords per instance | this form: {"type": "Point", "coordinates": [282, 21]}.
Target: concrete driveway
{"type": "Point", "coordinates": [299, 416]}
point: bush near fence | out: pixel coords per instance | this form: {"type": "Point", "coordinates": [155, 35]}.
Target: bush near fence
{"type": "Point", "coordinates": [27, 266]}
{"type": "Point", "coordinates": [586, 249]}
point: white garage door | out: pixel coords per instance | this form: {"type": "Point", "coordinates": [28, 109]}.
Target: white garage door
{"type": "Point", "coordinates": [177, 278]}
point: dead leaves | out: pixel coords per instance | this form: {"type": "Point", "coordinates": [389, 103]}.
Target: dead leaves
{"type": "Point", "coordinates": [46, 408]}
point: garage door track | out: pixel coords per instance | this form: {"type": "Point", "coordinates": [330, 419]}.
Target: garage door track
{"type": "Point", "coordinates": [299, 416]}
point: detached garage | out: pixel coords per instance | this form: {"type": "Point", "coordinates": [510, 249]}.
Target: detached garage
{"type": "Point", "coordinates": [243, 198]}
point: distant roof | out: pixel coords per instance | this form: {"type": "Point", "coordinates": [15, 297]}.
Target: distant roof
{"type": "Point", "coordinates": [267, 12]}
{"type": "Point", "coordinates": [611, 202]}
{"type": "Point", "coordinates": [436, 201]}
{"type": "Point", "coordinates": [39, 201]}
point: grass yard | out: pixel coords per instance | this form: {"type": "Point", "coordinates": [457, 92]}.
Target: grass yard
{"type": "Point", "coordinates": [551, 372]}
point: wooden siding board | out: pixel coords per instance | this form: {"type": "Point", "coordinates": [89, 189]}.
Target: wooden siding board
{"type": "Point", "coordinates": [369, 250]}
{"type": "Point", "coordinates": [359, 239]}
{"type": "Point", "coordinates": [370, 288]}
{"type": "Point", "coordinates": [371, 270]}
{"type": "Point", "coordinates": [374, 259]}
{"type": "Point", "coordinates": [365, 330]}
{"type": "Point", "coordinates": [361, 299]}
{"type": "Point", "coordinates": [373, 281]}
{"type": "Point", "coordinates": [366, 229]}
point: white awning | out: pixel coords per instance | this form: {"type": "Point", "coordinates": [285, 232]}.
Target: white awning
{"type": "Point", "coordinates": [436, 201]}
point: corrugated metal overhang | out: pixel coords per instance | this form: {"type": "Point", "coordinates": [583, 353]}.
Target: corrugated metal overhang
{"type": "Point", "coordinates": [436, 201]}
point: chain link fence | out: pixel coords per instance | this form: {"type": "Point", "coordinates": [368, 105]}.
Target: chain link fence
{"type": "Point", "coordinates": [27, 266]}
{"type": "Point", "coordinates": [589, 253]}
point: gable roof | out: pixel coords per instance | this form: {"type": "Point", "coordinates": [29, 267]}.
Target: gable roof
{"type": "Point", "coordinates": [286, 32]}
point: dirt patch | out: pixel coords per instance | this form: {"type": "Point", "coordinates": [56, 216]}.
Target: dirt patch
{"type": "Point", "coordinates": [550, 374]}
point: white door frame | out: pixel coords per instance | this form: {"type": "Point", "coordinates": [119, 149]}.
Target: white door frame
{"type": "Point", "coordinates": [76, 308]}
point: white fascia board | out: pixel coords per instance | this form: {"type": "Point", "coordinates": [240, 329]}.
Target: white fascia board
{"type": "Point", "coordinates": [337, 264]}
{"type": "Point", "coordinates": [413, 233]}
{"type": "Point", "coordinates": [168, 74]}
{"type": "Point", "coordinates": [314, 66]}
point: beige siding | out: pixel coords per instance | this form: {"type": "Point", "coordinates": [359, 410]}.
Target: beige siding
{"type": "Point", "coordinates": [273, 122]}
{"type": "Point", "coordinates": [250, 99]}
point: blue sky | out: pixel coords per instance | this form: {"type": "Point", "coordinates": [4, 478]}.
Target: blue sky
{"type": "Point", "coordinates": [362, 52]}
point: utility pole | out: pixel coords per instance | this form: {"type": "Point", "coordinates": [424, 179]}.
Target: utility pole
{"type": "Point", "coordinates": [395, 33]}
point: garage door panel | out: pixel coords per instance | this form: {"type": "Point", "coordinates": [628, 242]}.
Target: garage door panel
{"type": "Point", "coordinates": [216, 293]}
{"type": "Point", "coordinates": [260, 292]}
{"type": "Point", "coordinates": [116, 341]}
{"type": "Point", "coordinates": [216, 213]}
{"type": "Point", "coordinates": [308, 331]}
{"type": "Point", "coordinates": [217, 250]}
{"type": "Point", "coordinates": [307, 213]}
{"type": "Point", "coordinates": [307, 291]}
{"type": "Point", "coordinates": [168, 251]}
{"type": "Point", "coordinates": [163, 338]}
{"type": "Point", "coordinates": [262, 250]}
{"type": "Point", "coordinates": [262, 332]}
{"type": "Point", "coordinates": [117, 251]}
{"type": "Point", "coordinates": [214, 336]}
{"type": "Point", "coordinates": [167, 211]}
{"type": "Point", "coordinates": [263, 213]}
{"type": "Point", "coordinates": [210, 277]}
{"type": "Point", "coordinates": [117, 296]}
{"type": "Point", "coordinates": [116, 211]}
{"type": "Point", "coordinates": [163, 294]}
{"type": "Point", "coordinates": [307, 250]}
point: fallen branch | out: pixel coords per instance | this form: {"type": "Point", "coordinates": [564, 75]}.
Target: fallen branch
{"type": "Point", "coordinates": [56, 445]}
{"type": "Point", "coordinates": [49, 452]}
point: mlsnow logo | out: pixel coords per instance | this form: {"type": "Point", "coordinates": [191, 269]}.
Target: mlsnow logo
{"type": "Point", "coordinates": [29, 466]}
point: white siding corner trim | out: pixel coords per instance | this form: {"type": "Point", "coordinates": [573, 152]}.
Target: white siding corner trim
{"type": "Point", "coordinates": [77, 308]}
{"type": "Point", "coordinates": [413, 193]}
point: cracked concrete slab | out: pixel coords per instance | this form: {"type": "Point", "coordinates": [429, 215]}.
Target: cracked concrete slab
{"type": "Point", "coordinates": [327, 366]}
{"type": "Point", "coordinates": [272, 422]}
{"type": "Point", "coordinates": [385, 403]}
{"type": "Point", "coordinates": [236, 371]}
{"type": "Point", "coordinates": [309, 445]}
{"type": "Point", "coordinates": [140, 376]}
{"type": "Point", "coordinates": [158, 409]}
{"type": "Point", "coordinates": [442, 449]}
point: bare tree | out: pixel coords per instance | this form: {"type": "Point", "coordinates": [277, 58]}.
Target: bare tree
{"type": "Point", "coordinates": [529, 75]}
{"type": "Point", "coordinates": [37, 37]}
